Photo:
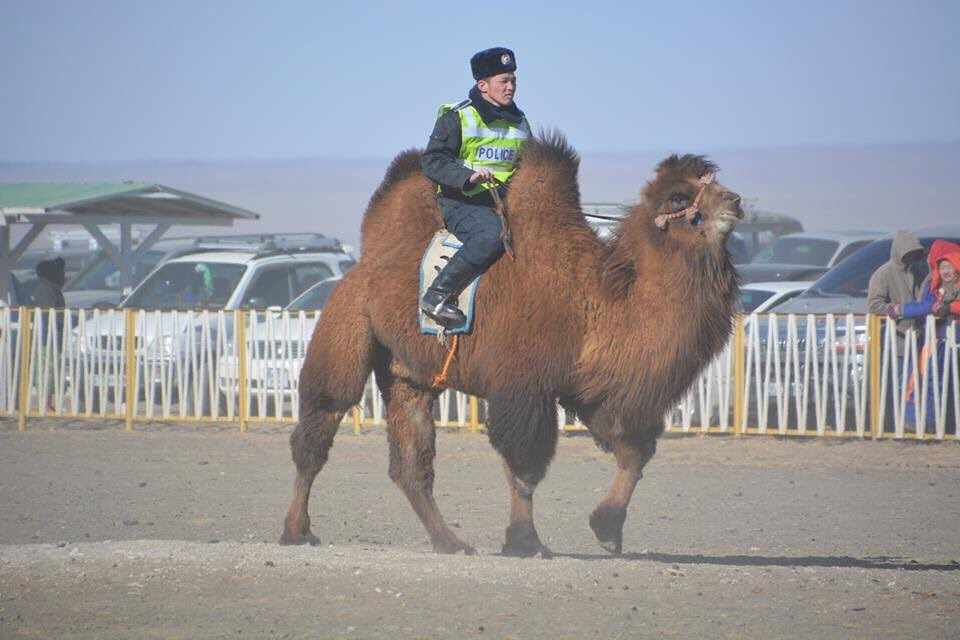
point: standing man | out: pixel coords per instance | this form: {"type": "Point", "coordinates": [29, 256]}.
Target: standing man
{"type": "Point", "coordinates": [895, 283]}
{"type": "Point", "coordinates": [473, 142]}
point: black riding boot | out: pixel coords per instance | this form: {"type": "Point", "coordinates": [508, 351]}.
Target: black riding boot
{"type": "Point", "coordinates": [440, 300]}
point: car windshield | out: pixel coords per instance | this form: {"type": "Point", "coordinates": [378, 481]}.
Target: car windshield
{"type": "Point", "coordinates": [852, 276]}
{"type": "Point", "coordinates": [187, 285]}
{"type": "Point", "coordinates": [750, 299]}
{"type": "Point", "coordinates": [314, 298]}
{"type": "Point", "coordinates": [811, 252]}
{"type": "Point", "coordinates": [105, 275]}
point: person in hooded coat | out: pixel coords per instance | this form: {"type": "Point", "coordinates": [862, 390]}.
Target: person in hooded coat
{"type": "Point", "coordinates": [940, 297]}
{"type": "Point", "coordinates": [895, 283]}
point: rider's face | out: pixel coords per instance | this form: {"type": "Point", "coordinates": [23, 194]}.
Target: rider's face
{"type": "Point", "coordinates": [499, 89]}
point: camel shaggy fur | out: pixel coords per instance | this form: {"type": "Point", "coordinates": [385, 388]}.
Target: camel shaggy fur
{"type": "Point", "coordinates": [613, 331]}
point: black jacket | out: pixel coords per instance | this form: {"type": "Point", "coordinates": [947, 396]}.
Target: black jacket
{"type": "Point", "coordinates": [441, 159]}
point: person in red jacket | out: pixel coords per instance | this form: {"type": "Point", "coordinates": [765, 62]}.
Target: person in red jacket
{"type": "Point", "coordinates": [940, 297]}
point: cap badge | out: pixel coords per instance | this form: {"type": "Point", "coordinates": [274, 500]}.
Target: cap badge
{"type": "Point", "coordinates": [505, 58]}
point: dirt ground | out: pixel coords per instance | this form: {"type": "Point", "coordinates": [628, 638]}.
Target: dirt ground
{"type": "Point", "coordinates": [170, 532]}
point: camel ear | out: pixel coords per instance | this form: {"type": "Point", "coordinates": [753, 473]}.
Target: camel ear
{"type": "Point", "coordinates": [618, 274]}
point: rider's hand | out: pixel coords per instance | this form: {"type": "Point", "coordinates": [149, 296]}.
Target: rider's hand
{"type": "Point", "coordinates": [481, 175]}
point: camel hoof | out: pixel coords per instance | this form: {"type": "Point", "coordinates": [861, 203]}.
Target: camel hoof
{"type": "Point", "coordinates": [607, 525]}
{"type": "Point", "coordinates": [306, 538]}
{"type": "Point", "coordinates": [522, 541]}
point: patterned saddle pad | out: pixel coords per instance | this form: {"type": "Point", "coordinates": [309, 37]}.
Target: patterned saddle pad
{"type": "Point", "coordinates": [443, 245]}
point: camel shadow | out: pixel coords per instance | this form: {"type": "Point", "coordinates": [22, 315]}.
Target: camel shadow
{"type": "Point", "coordinates": [835, 562]}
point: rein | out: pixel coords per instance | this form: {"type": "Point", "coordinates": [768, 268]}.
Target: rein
{"type": "Point", "coordinates": [663, 219]}
{"type": "Point", "coordinates": [505, 236]}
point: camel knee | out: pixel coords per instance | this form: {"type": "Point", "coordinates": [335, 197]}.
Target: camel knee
{"type": "Point", "coordinates": [411, 469]}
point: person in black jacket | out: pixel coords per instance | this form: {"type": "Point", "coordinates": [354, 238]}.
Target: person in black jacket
{"type": "Point", "coordinates": [472, 149]}
{"type": "Point", "coordinates": [48, 294]}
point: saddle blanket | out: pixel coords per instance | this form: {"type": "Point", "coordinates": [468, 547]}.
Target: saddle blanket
{"type": "Point", "coordinates": [443, 245]}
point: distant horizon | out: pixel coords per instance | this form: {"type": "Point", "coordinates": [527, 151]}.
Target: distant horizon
{"type": "Point", "coordinates": [387, 158]}
{"type": "Point", "coordinates": [876, 186]}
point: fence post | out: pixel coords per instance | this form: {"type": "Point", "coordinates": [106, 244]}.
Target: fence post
{"type": "Point", "coordinates": [240, 323]}
{"type": "Point", "coordinates": [130, 329]}
{"type": "Point", "coordinates": [738, 376]}
{"type": "Point", "coordinates": [474, 414]}
{"type": "Point", "coordinates": [874, 340]}
{"type": "Point", "coordinates": [24, 389]}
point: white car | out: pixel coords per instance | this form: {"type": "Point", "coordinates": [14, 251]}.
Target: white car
{"type": "Point", "coordinates": [757, 297]}
{"type": "Point", "coordinates": [276, 346]}
{"type": "Point", "coordinates": [265, 277]}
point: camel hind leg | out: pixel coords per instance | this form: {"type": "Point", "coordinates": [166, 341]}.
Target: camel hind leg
{"type": "Point", "coordinates": [332, 380]}
{"type": "Point", "coordinates": [412, 436]}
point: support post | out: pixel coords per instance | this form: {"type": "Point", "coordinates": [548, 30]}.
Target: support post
{"type": "Point", "coordinates": [24, 388]}
{"type": "Point", "coordinates": [240, 322]}
{"type": "Point", "coordinates": [875, 344]}
{"type": "Point", "coordinates": [474, 414]}
{"type": "Point", "coordinates": [130, 331]}
{"type": "Point", "coordinates": [738, 376]}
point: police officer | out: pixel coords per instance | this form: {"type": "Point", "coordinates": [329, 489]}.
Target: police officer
{"type": "Point", "coordinates": [473, 142]}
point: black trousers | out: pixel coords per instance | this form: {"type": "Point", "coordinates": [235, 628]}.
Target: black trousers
{"type": "Point", "coordinates": [477, 227]}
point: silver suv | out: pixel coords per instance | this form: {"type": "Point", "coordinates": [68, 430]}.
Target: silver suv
{"type": "Point", "coordinates": [265, 276]}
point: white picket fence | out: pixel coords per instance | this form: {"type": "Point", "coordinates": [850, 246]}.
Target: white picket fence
{"type": "Point", "coordinates": [788, 375]}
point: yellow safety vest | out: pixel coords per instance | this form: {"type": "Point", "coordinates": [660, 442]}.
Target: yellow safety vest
{"type": "Point", "coordinates": [494, 145]}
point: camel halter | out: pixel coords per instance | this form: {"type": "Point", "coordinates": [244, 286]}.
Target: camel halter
{"type": "Point", "coordinates": [664, 218]}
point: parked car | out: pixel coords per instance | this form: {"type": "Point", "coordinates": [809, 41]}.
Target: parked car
{"type": "Point", "coordinates": [843, 289]}
{"type": "Point", "coordinates": [758, 297]}
{"type": "Point", "coordinates": [804, 256]}
{"type": "Point", "coordinates": [759, 228]}
{"type": "Point", "coordinates": [277, 347]}
{"type": "Point", "coordinates": [267, 275]}
{"type": "Point", "coordinates": [98, 285]}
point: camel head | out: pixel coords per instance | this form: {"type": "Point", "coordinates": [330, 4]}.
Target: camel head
{"type": "Point", "coordinates": [686, 202]}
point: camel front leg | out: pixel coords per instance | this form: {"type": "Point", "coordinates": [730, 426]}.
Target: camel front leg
{"type": "Point", "coordinates": [632, 452]}
{"type": "Point", "coordinates": [523, 429]}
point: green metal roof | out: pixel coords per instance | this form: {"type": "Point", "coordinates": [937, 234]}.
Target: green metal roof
{"type": "Point", "coordinates": [50, 195]}
{"type": "Point", "coordinates": [111, 201]}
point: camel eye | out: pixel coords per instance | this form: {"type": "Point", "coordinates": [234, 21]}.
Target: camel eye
{"type": "Point", "coordinates": [678, 199]}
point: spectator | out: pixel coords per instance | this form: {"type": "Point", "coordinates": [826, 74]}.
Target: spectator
{"type": "Point", "coordinates": [48, 294]}
{"type": "Point", "coordinates": [895, 283]}
{"type": "Point", "coordinates": [940, 297]}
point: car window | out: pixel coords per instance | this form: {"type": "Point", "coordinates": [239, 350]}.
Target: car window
{"type": "Point", "coordinates": [105, 275]}
{"type": "Point", "coordinates": [812, 252]}
{"type": "Point", "coordinates": [346, 265]}
{"type": "Point", "coordinates": [187, 285]}
{"type": "Point", "coordinates": [271, 288]}
{"type": "Point", "coordinates": [852, 276]}
{"type": "Point", "coordinates": [850, 249]}
{"type": "Point", "coordinates": [315, 298]}
{"type": "Point", "coordinates": [750, 299]}
{"type": "Point", "coordinates": [307, 275]}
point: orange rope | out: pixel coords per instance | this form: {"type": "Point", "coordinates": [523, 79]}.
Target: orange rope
{"type": "Point", "coordinates": [441, 378]}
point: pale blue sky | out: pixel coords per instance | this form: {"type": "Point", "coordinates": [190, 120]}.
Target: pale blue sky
{"type": "Point", "coordinates": [103, 80]}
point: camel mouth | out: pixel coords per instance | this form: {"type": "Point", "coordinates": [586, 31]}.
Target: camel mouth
{"type": "Point", "coordinates": [730, 214]}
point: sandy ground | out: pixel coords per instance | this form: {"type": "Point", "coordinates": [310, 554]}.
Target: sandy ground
{"type": "Point", "coordinates": [170, 532]}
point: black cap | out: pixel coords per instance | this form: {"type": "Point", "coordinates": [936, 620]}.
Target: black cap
{"type": "Point", "coordinates": [491, 62]}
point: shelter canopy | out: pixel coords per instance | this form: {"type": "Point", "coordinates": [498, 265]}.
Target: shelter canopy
{"type": "Point", "coordinates": [93, 205]}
